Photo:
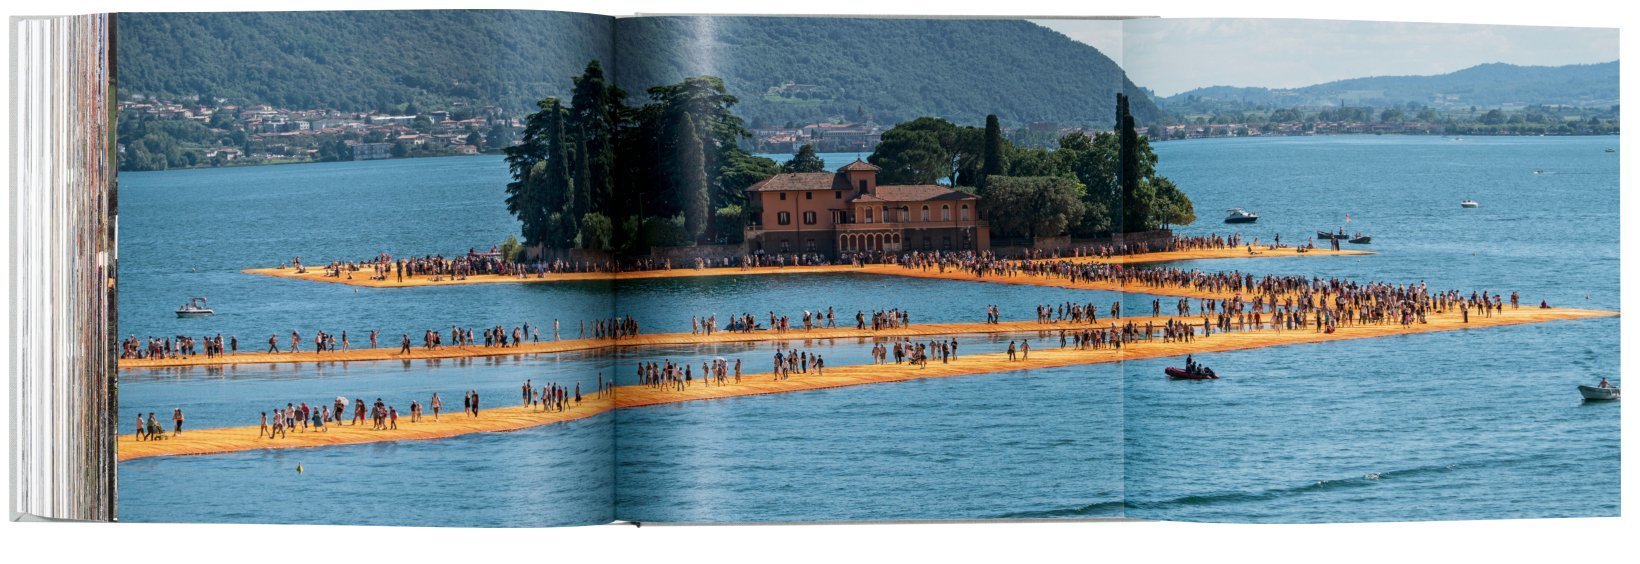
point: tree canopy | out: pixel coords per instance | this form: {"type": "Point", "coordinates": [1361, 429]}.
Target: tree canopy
{"type": "Point", "coordinates": [681, 177]}
{"type": "Point", "coordinates": [1075, 188]}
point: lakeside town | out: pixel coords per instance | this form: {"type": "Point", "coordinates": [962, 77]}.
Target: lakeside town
{"type": "Point", "coordinates": [160, 134]}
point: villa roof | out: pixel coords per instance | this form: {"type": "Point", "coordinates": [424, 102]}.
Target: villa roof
{"type": "Point", "coordinates": [799, 181]}
{"type": "Point", "coordinates": [914, 193]}
{"type": "Point", "coordinates": [859, 165]}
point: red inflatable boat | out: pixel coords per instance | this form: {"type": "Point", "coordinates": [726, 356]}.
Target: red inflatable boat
{"type": "Point", "coordinates": [1179, 374]}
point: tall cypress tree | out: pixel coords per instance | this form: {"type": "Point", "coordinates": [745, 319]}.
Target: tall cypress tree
{"type": "Point", "coordinates": [559, 183]}
{"type": "Point", "coordinates": [1135, 212]}
{"type": "Point", "coordinates": [994, 160]}
{"type": "Point", "coordinates": [580, 201]}
{"type": "Point", "coordinates": [691, 179]}
{"type": "Point", "coordinates": [594, 108]}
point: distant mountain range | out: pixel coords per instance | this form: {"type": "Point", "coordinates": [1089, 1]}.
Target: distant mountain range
{"type": "Point", "coordinates": [782, 69]}
{"type": "Point", "coordinates": [1488, 85]}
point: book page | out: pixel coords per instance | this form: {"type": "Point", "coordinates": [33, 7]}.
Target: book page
{"type": "Point", "coordinates": [837, 215]}
{"type": "Point", "coordinates": [1457, 362]}
{"type": "Point", "coordinates": [328, 306]}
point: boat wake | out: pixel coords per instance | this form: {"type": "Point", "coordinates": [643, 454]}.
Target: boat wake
{"type": "Point", "coordinates": [1122, 508]}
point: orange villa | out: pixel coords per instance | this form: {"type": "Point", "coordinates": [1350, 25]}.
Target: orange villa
{"type": "Point", "coordinates": [847, 211]}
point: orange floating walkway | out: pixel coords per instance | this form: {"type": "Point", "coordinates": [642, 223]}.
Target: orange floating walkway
{"type": "Point", "coordinates": [235, 439]}
{"type": "Point", "coordinates": [1223, 253]}
{"type": "Point", "coordinates": [363, 278]}
{"type": "Point", "coordinates": [659, 339]}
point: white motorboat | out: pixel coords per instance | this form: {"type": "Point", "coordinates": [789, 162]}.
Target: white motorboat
{"type": "Point", "coordinates": [1238, 215]}
{"type": "Point", "coordinates": [1470, 204]}
{"type": "Point", "coordinates": [1596, 393]}
{"type": "Point", "coordinates": [194, 308]}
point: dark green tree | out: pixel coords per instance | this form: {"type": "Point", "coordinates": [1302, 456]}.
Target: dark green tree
{"type": "Point", "coordinates": [1172, 207]}
{"type": "Point", "coordinates": [691, 184]}
{"type": "Point", "coordinates": [960, 147]}
{"type": "Point", "coordinates": [1137, 196]}
{"type": "Point", "coordinates": [805, 160]}
{"type": "Point", "coordinates": [594, 112]}
{"type": "Point", "coordinates": [1031, 207]}
{"type": "Point", "coordinates": [910, 156]}
{"type": "Point", "coordinates": [559, 182]}
{"type": "Point", "coordinates": [705, 101]}
{"type": "Point", "coordinates": [995, 155]}
{"type": "Point", "coordinates": [535, 195]}
{"type": "Point", "coordinates": [580, 193]}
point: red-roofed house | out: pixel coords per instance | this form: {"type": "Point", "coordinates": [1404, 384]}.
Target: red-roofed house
{"type": "Point", "coordinates": [847, 212]}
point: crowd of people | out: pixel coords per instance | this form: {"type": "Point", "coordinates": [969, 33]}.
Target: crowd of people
{"type": "Point", "coordinates": [440, 268]}
{"type": "Point", "coordinates": [915, 353]}
{"type": "Point", "coordinates": [180, 346]}
{"type": "Point", "coordinates": [498, 336]}
{"type": "Point", "coordinates": [379, 415]}
{"type": "Point", "coordinates": [678, 376]}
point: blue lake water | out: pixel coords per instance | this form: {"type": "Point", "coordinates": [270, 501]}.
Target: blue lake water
{"type": "Point", "coordinates": [1462, 425]}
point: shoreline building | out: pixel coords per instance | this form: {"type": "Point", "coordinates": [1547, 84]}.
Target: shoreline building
{"type": "Point", "coordinates": [848, 212]}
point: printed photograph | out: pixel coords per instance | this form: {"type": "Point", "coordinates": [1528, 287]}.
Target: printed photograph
{"type": "Point", "coordinates": [744, 269]}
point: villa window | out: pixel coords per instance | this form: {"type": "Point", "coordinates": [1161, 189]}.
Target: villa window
{"type": "Point", "coordinates": [810, 218]}
{"type": "Point", "coordinates": [862, 184]}
{"type": "Point", "coordinates": [869, 218]}
{"type": "Point", "coordinates": [784, 218]}
{"type": "Point", "coordinates": [808, 195]}
{"type": "Point", "coordinates": [945, 213]}
{"type": "Point", "coordinates": [839, 194]}
{"type": "Point", "coordinates": [965, 212]}
{"type": "Point", "coordinates": [782, 195]}
{"type": "Point", "coordinates": [925, 213]}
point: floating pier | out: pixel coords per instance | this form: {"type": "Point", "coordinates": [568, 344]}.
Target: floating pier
{"type": "Point", "coordinates": [363, 277]}
{"type": "Point", "coordinates": [1044, 355]}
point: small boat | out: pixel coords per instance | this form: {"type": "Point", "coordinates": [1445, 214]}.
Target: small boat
{"type": "Point", "coordinates": [1469, 204]}
{"type": "Point", "coordinates": [194, 308]}
{"type": "Point", "coordinates": [1596, 393]}
{"type": "Point", "coordinates": [1360, 239]}
{"type": "Point", "coordinates": [1329, 236]}
{"type": "Point", "coordinates": [1199, 374]}
{"type": "Point", "coordinates": [1238, 215]}
{"type": "Point", "coordinates": [1611, 150]}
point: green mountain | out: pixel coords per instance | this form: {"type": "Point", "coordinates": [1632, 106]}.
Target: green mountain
{"type": "Point", "coordinates": [1488, 85]}
{"type": "Point", "coordinates": [782, 69]}
{"type": "Point", "coordinates": [360, 60]}
{"type": "Point", "coordinates": [796, 69]}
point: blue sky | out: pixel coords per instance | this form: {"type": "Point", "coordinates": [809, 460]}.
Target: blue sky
{"type": "Point", "coordinates": [1173, 55]}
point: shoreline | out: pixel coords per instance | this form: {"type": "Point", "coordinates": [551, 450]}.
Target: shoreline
{"type": "Point", "coordinates": [238, 439]}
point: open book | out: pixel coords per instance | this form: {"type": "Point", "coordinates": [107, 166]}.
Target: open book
{"type": "Point", "coordinates": [497, 268]}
